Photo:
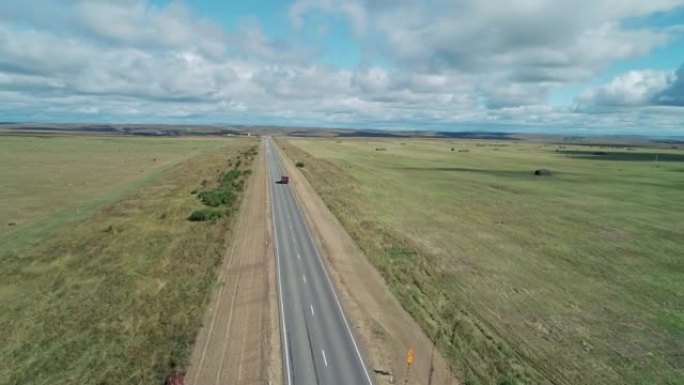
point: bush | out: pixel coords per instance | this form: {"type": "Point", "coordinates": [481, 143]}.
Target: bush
{"type": "Point", "coordinates": [542, 172]}
{"type": "Point", "coordinates": [205, 215]}
{"type": "Point", "coordinates": [299, 164]}
{"type": "Point", "coordinates": [508, 381]}
{"type": "Point", "coordinates": [216, 197]}
{"type": "Point", "coordinates": [230, 177]}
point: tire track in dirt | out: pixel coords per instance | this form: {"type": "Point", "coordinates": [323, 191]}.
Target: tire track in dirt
{"type": "Point", "coordinates": [236, 346]}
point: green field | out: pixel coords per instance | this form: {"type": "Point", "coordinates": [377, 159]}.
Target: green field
{"type": "Point", "coordinates": [49, 181]}
{"type": "Point", "coordinates": [573, 278]}
{"type": "Point", "coordinates": [116, 296]}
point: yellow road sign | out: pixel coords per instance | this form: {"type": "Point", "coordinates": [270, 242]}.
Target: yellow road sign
{"type": "Point", "coordinates": [410, 357]}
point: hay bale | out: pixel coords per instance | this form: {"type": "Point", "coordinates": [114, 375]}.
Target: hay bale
{"type": "Point", "coordinates": [542, 172]}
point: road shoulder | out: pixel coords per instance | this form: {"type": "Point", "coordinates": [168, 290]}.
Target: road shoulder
{"type": "Point", "coordinates": [238, 342]}
{"type": "Point", "coordinates": [385, 330]}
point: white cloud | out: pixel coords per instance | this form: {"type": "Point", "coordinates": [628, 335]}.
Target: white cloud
{"type": "Point", "coordinates": [673, 95]}
{"type": "Point", "coordinates": [635, 88]}
{"type": "Point", "coordinates": [548, 43]}
{"type": "Point", "coordinates": [449, 63]}
{"type": "Point", "coordinates": [639, 88]}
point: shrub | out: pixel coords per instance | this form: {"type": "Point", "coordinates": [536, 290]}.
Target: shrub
{"type": "Point", "coordinates": [508, 381]}
{"type": "Point", "coordinates": [230, 177]}
{"type": "Point", "coordinates": [205, 215]}
{"type": "Point", "coordinates": [217, 197]}
{"type": "Point", "coordinates": [299, 164]}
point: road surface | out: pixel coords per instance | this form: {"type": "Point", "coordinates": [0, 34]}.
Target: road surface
{"type": "Point", "coordinates": [317, 343]}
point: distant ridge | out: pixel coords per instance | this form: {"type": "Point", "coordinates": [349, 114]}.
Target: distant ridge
{"type": "Point", "coordinates": [175, 130]}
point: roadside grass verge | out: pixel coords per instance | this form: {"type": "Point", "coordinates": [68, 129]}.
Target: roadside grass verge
{"type": "Point", "coordinates": [573, 278]}
{"type": "Point", "coordinates": [225, 195]}
{"type": "Point", "coordinates": [118, 297]}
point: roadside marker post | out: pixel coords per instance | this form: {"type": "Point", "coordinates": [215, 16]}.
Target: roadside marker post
{"type": "Point", "coordinates": [410, 357]}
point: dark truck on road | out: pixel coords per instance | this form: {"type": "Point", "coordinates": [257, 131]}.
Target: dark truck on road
{"type": "Point", "coordinates": [284, 180]}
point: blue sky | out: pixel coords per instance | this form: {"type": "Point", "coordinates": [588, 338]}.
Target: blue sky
{"type": "Point", "coordinates": [590, 66]}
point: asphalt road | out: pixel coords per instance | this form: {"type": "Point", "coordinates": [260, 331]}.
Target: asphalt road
{"type": "Point", "coordinates": [318, 345]}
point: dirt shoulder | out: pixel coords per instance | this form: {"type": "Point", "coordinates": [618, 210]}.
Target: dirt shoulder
{"type": "Point", "coordinates": [238, 343]}
{"type": "Point", "coordinates": [386, 331]}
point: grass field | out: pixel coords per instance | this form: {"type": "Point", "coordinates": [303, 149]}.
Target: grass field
{"type": "Point", "coordinates": [117, 297]}
{"type": "Point", "coordinates": [574, 278]}
{"type": "Point", "coordinates": [49, 181]}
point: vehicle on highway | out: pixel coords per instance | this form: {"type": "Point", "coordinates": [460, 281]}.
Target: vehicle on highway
{"type": "Point", "coordinates": [284, 179]}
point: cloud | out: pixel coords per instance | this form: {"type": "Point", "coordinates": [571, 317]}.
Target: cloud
{"type": "Point", "coordinates": [544, 43]}
{"type": "Point", "coordinates": [445, 35]}
{"type": "Point", "coordinates": [673, 94]}
{"type": "Point", "coordinates": [637, 89]}
{"type": "Point", "coordinates": [354, 12]}
{"type": "Point", "coordinates": [441, 64]}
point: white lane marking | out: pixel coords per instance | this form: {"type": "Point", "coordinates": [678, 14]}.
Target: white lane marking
{"type": "Point", "coordinates": [304, 278]}
{"type": "Point", "coordinates": [280, 288]}
{"type": "Point", "coordinates": [298, 256]}
{"type": "Point", "coordinates": [312, 312]}
{"type": "Point", "coordinates": [325, 360]}
{"type": "Point", "coordinates": [337, 300]}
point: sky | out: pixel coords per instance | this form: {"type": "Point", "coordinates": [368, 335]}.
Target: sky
{"type": "Point", "coordinates": [554, 66]}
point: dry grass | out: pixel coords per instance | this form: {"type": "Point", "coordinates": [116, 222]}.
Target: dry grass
{"type": "Point", "coordinates": [116, 298]}
{"type": "Point", "coordinates": [49, 181]}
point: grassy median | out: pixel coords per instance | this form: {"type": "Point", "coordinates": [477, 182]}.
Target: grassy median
{"type": "Point", "coordinates": [568, 278]}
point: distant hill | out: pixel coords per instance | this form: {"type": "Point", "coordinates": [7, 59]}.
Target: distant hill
{"type": "Point", "coordinates": [244, 130]}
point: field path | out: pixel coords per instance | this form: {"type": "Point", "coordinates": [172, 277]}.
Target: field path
{"type": "Point", "coordinates": [235, 345]}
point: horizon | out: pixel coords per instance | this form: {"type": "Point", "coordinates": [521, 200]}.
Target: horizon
{"type": "Point", "coordinates": [492, 130]}
{"type": "Point", "coordinates": [593, 68]}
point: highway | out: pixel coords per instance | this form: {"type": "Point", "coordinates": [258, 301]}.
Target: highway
{"type": "Point", "coordinates": [317, 343]}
